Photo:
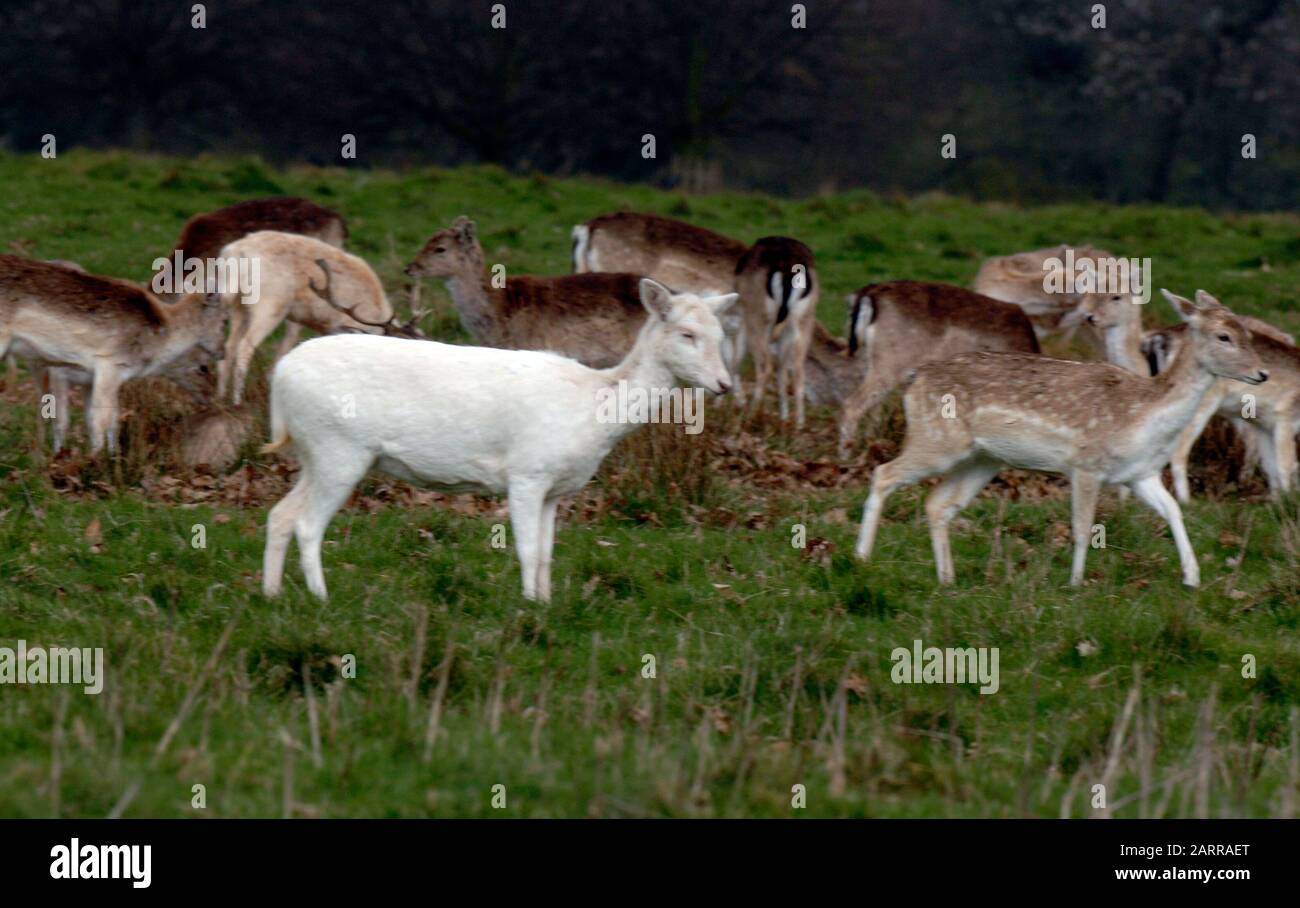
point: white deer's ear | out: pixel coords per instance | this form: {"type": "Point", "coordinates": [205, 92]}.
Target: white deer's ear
{"type": "Point", "coordinates": [1205, 301]}
{"type": "Point", "coordinates": [656, 298]}
{"type": "Point", "coordinates": [720, 304]}
{"type": "Point", "coordinates": [1185, 308]}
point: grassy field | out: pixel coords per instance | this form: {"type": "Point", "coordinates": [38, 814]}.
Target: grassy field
{"type": "Point", "coordinates": [771, 663]}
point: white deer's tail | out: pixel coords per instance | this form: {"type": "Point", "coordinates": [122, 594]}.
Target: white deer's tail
{"type": "Point", "coordinates": [581, 241]}
{"type": "Point", "coordinates": [279, 431]}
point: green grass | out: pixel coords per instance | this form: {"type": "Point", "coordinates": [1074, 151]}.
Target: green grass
{"type": "Point", "coordinates": [772, 663]}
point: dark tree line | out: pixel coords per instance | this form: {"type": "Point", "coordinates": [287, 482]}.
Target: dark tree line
{"type": "Point", "coordinates": [1042, 104]}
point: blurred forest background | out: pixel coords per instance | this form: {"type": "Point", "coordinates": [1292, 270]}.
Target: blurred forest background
{"type": "Point", "coordinates": [1043, 105]}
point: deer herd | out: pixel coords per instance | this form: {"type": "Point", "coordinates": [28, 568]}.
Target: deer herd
{"type": "Point", "coordinates": [653, 303]}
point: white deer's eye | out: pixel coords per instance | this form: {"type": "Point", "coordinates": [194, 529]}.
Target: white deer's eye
{"type": "Point", "coordinates": [689, 336]}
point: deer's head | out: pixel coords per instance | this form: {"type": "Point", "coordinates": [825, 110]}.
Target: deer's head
{"type": "Point", "coordinates": [1219, 341]}
{"type": "Point", "coordinates": [687, 335]}
{"type": "Point", "coordinates": [450, 252]}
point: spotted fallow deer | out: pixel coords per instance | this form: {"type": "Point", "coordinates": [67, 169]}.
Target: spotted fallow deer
{"type": "Point", "coordinates": [1266, 418]}
{"type": "Point", "coordinates": [677, 254]}
{"type": "Point", "coordinates": [899, 325]}
{"type": "Point", "coordinates": [1020, 279]}
{"type": "Point", "coordinates": [205, 235]}
{"type": "Point", "coordinates": [76, 323]}
{"type": "Point", "coordinates": [778, 286]}
{"type": "Point", "coordinates": [1097, 423]}
{"type": "Point", "coordinates": [291, 281]}
{"type": "Point", "coordinates": [593, 318]}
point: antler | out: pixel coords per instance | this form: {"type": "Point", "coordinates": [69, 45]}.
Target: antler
{"type": "Point", "coordinates": [390, 328]}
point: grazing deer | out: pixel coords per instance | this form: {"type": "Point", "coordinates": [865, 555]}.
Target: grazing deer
{"type": "Point", "coordinates": [191, 374]}
{"type": "Point", "coordinates": [1268, 436]}
{"type": "Point", "coordinates": [593, 318]}
{"type": "Point", "coordinates": [292, 278]}
{"type": "Point", "coordinates": [1094, 422]}
{"type": "Point", "coordinates": [778, 288]}
{"type": "Point", "coordinates": [524, 424]}
{"type": "Point", "coordinates": [672, 252]}
{"type": "Point", "coordinates": [105, 330]}
{"type": "Point", "coordinates": [901, 324]}
{"type": "Point", "coordinates": [831, 373]}
{"type": "Point", "coordinates": [205, 235]}
{"type": "Point", "coordinates": [11, 361]}
{"type": "Point", "coordinates": [1020, 279]}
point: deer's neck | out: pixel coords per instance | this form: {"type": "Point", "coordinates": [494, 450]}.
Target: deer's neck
{"type": "Point", "coordinates": [473, 299]}
{"type": "Point", "coordinates": [641, 370]}
{"type": "Point", "coordinates": [1178, 395]}
{"type": "Point", "coordinates": [183, 323]}
{"type": "Point", "coordinates": [1124, 348]}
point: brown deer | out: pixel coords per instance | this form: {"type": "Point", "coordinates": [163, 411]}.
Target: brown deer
{"type": "Point", "coordinates": [901, 324]}
{"type": "Point", "coordinates": [1267, 434]}
{"type": "Point", "coordinates": [778, 286]}
{"type": "Point", "coordinates": [111, 330]}
{"type": "Point", "coordinates": [593, 318]}
{"type": "Point", "coordinates": [672, 252]}
{"type": "Point", "coordinates": [1097, 423]}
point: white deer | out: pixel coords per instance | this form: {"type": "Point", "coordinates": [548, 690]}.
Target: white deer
{"type": "Point", "coordinates": [1094, 422]}
{"type": "Point", "coordinates": [521, 423]}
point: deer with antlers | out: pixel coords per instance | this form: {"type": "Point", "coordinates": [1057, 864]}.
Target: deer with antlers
{"type": "Point", "coordinates": [304, 281]}
{"type": "Point", "coordinates": [1097, 423]}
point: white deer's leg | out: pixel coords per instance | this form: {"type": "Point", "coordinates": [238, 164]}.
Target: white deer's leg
{"type": "Point", "coordinates": [331, 484]}
{"type": "Point", "coordinates": [1267, 446]}
{"type": "Point", "coordinates": [1153, 492]}
{"type": "Point", "coordinates": [525, 500]}
{"type": "Point", "coordinates": [279, 527]}
{"type": "Point", "coordinates": [545, 546]}
{"type": "Point", "coordinates": [957, 490]}
{"type": "Point", "coordinates": [103, 409]}
{"type": "Point", "coordinates": [1084, 490]}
